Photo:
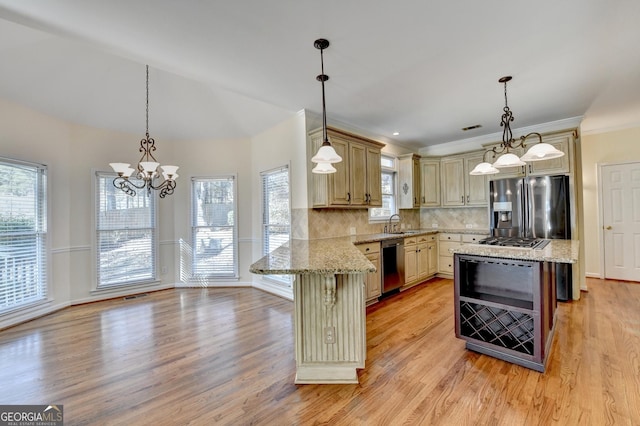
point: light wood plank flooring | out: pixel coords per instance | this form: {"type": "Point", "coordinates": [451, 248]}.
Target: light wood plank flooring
{"type": "Point", "coordinates": [225, 356]}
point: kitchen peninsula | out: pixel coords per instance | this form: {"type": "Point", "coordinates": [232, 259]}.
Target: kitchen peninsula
{"type": "Point", "coordinates": [505, 299]}
{"type": "Point", "coordinates": [329, 308]}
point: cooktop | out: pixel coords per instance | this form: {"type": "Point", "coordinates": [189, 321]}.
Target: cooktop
{"type": "Point", "coordinates": [523, 242]}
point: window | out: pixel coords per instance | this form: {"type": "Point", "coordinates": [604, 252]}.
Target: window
{"type": "Point", "coordinates": [276, 213]}
{"type": "Point", "coordinates": [389, 205]}
{"type": "Point", "coordinates": [213, 227]}
{"type": "Point", "coordinates": [23, 234]}
{"type": "Point", "coordinates": [126, 234]}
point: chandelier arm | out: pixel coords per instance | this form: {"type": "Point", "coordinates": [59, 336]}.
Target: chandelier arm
{"type": "Point", "coordinates": [523, 138]}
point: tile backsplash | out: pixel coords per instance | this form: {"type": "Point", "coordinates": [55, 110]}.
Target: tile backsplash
{"type": "Point", "coordinates": [328, 223]}
{"type": "Point", "coordinates": [477, 217]}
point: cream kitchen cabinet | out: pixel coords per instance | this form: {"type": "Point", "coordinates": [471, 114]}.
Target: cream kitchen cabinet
{"type": "Point", "coordinates": [563, 141]}
{"type": "Point", "coordinates": [448, 241]}
{"type": "Point", "coordinates": [373, 280]}
{"type": "Point", "coordinates": [409, 181]}
{"type": "Point", "coordinates": [430, 185]}
{"type": "Point", "coordinates": [357, 181]}
{"type": "Point", "coordinates": [459, 188]}
{"type": "Point", "coordinates": [420, 258]}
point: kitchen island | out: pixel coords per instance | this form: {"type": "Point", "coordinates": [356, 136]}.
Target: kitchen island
{"type": "Point", "coordinates": [329, 306]}
{"type": "Point", "coordinates": [505, 299]}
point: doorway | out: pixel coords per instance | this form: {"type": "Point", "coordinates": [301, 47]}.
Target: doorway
{"type": "Point", "coordinates": [620, 196]}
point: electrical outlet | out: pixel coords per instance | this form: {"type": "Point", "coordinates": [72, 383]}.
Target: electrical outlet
{"type": "Point", "coordinates": [330, 334]}
{"type": "Point", "coordinates": [352, 230]}
{"type": "Point", "coordinates": [434, 225]}
{"type": "Point", "coordinates": [469, 226]}
{"type": "Point", "coordinates": [163, 270]}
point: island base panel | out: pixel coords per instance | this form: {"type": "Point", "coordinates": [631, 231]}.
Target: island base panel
{"type": "Point", "coordinates": [533, 365]}
{"type": "Point", "coordinates": [330, 327]}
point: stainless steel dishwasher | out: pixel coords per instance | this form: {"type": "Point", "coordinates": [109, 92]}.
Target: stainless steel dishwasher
{"type": "Point", "coordinates": [392, 264]}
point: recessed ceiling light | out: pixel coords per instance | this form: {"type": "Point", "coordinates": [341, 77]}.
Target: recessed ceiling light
{"type": "Point", "coordinates": [396, 133]}
{"type": "Point", "coordinates": [475, 126]}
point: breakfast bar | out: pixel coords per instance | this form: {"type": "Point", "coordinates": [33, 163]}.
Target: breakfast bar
{"type": "Point", "coordinates": [329, 306]}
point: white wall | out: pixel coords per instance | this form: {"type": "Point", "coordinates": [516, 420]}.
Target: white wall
{"type": "Point", "coordinates": [616, 146]}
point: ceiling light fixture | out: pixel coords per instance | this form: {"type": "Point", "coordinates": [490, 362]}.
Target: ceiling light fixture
{"type": "Point", "coordinates": [538, 152]}
{"type": "Point", "coordinates": [147, 169]}
{"type": "Point", "coordinates": [326, 155]}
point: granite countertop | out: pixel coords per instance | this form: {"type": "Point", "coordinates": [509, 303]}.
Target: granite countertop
{"type": "Point", "coordinates": [323, 256]}
{"type": "Point", "coordinates": [372, 238]}
{"type": "Point", "coordinates": [559, 251]}
{"type": "Point", "coordinates": [333, 255]}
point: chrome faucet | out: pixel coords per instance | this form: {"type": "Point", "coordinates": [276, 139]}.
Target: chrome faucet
{"type": "Point", "coordinates": [392, 228]}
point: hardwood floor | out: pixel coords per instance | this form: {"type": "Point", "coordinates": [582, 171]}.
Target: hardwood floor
{"type": "Point", "coordinates": [225, 356]}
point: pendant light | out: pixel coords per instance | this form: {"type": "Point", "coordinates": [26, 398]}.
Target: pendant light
{"type": "Point", "coordinates": [326, 155]}
{"type": "Point", "coordinates": [147, 169]}
{"type": "Point", "coordinates": [538, 152]}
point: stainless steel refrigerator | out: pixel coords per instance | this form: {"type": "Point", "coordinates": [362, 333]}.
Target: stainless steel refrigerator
{"type": "Point", "coordinates": [534, 207]}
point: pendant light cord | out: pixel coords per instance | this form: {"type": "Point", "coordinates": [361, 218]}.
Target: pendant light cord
{"type": "Point", "coordinates": [147, 102]}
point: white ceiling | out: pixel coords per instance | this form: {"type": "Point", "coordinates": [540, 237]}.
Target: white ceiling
{"type": "Point", "coordinates": [231, 69]}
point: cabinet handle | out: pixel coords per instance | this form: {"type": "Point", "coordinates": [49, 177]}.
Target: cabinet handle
{"type": "Point", "coordinates": [348, 196]}
{"type": "Point", "coordinates": [415, 200]}
{"type": "Point", "coordinates": [530, 170]}
{"type": "Point", "coordinates": [467, 198]}
{"type": "Point", "coordinates": [423, 201]}
{"type": "Point", "coordinates": [462, 199]}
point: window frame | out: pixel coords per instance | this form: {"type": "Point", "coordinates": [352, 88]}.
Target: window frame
{"type": "Point", "coordinates": [286, 280]}
{"type": "Point", "coordinates": [193, 226]}
{"type": "Point", "coordinates": [41, 234]}
{"type": "Point", "coordinates": [153, 279]}
{"type": "Point", "coordinates": [388, 170]}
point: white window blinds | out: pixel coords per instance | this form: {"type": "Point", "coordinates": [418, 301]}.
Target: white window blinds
{"type": "Point", "coordinates": [23, 234]}
{"type": "Point", "coordinates": [214, 229]}
{"type": "Point", "coordinates": [276, 212]}
{"type": "Point", "coordinates": [126, 234]}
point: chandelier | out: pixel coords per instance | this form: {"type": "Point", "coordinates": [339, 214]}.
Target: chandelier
{"type": "Point", "coordinates": [538, 152]}
{"type": "Point", "coordinates": [147, 169]}
{"type": "Point", "coordinates": [326, 155]}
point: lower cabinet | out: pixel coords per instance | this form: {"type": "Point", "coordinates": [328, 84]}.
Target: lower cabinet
{"type": "Point", "coordinates": [448, 241]}
{"type": "Point", "coordinates": [372, 281]}
{"type": "Point", "coordinates": [420, 258]}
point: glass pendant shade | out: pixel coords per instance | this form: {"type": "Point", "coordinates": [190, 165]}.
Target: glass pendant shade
{"type": "Point", "coordinates": [542, 151]}
{"type": "Point", "coordinates": [170, 171]}
{"type": "Point", "coordinates": [484, 169]}
{"type": "Point", "coordinates": [326, 154]}
{"type": "Point", "coordinates": [119, 167]}
{"type": "Point", "coordinates": [508, 160]}
{"type": "Point", "coordinates": [149, 167]}
{"type": "Point", "coordinates": [323, 168]}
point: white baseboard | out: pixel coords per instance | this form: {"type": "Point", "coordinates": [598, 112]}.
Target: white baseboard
{"type": "Point", "coordinates": [593, 275]}
{"type": "Point", "coordinates": [24, 315]}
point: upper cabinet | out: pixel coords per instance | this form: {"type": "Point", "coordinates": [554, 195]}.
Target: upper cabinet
{"type": "Point", "coordinates": [410, 182]}
{"type": "Point", "coordinates": [430, 187]}
{"type": "Point", "coordinates": [563, 141]}
{"type": "Point", "coordinates": [357, 181]}
{"type": "Point", "coordinates": [458, 187]}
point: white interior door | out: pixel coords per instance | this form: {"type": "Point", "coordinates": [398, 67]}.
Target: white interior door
{"type": "Point", "coordinates": [621, 221]}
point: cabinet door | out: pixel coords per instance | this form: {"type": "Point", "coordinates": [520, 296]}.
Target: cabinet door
{"type": "Point", "coordinates": [374, 179]}
{"type": "Point", "coordinates": [373, 282]}
{"type": "Point", "coordinates": [432, 249]}
{"type": "Point", "coordinates": [417, 183]}
{"type": "Point", "coordinates": [452, 178]}
{"type": "Point", "coordinates": [555, 165]}
{"type": "Point", "coordinates": [358, 174]}
{"type": "Point", "coordinates": [423, 261]}
{"type": "Point", "coordinates": [430, 185]}
{"type": "Point", "coordinates": [410, 264]}
{"type": "Point", "coordinates": [339, 194]}
{"type": "Point", "coordinates": [477, 187]}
